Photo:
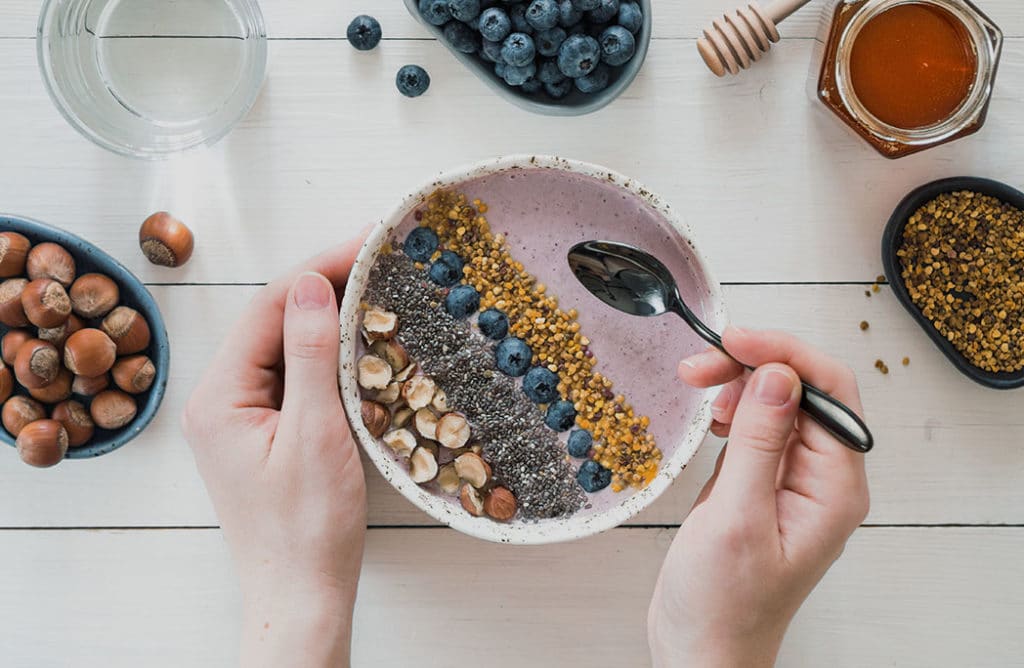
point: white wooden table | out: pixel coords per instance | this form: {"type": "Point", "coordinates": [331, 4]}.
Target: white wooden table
{"type": "Point", "coordinates": [118, 561]}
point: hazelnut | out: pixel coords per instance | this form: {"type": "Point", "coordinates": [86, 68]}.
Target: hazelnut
{"type": "Point", "coordinates": [6, 383]}
{"type": "Point", "coordinates": [134, 374]}
{"type": "Point", "coordinates": [11, 342]}
{"type": "Point", "coordinates": [500, 504]}
{"type": "Point", "coordinates": [165, 240]}
{"type": "Point", "coordinates": [43, 443]}
{"type": "Point", "coordinates": [76, 421]}
{"type": "Point", "coordinates": [59, 335]}
{"type": "Point", "coordinates": [90, 352]}
{"type": "Point", "coordinates": [373, 373]}
{"type": "Point", "coordinates": [426, 423]}
{"type": "Point", "coordinates": [55, 392]}
{"type": "Point", "coordinates": [448, 479]}
{"type": "Point", "coordinates": [12, 313]}
{"type": "Point", "coordinates": [418, 391]}
{"type": "Point", "coordinates": [37, 363]}
{"type": "Point", "coordinates": [48, 260]}
{"type": "Point", "coordinates": [422, 465]}
{"type": "Point", "coordinates": [112, 409]}
{"type": "Point", "coordinates": [452, 431]}
{"type": "Point", "coordinates": [14, 249]}
{"type": "Point", "coordinates": [46, 303]}
{"type": "Point", "coordinates": [90, 386]}
{"type": "Point", "coordinates": [376, 417]}
{"type": "Point", "coordinates": [402, 441]}
{"type": "Point", "coordinates": [94, 295]}
{"type": "Point", "coordinates": [472, 468]}
{"type": "Point", "coordinates": [128, 329]}
{"type": "Point", "coordinates": [469, 496]}
{"type": "Point", "coordinates": [19, 411]}
{"type": "Point", "coordinates": [379, 325]}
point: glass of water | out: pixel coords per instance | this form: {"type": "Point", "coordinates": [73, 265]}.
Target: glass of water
{"type": "Point", "coordinates": [147, 78]}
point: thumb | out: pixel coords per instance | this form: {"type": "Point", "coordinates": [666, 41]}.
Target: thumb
{"type": "Point", "coordinates": [764, 420]}
{"type": "Point", "coordinates": [311, 342]}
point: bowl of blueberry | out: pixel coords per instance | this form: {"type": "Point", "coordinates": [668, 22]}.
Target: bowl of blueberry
{"type": "Point", "coordinates": [487, 385]}
{"type": "Point", "coordinates": [555, 57]}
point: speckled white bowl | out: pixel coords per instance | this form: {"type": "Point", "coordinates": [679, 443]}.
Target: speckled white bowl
{"type": "Point", "coordinates": [675, 247]}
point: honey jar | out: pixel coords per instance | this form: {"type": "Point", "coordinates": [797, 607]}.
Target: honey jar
{"type": "Point", "coordinates": [906, 75]}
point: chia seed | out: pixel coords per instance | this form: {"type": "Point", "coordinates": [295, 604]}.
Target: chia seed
{"type": "Point", "coordinates": [524, 454]}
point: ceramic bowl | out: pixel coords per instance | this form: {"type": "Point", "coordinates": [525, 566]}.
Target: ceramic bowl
{"type": "Point", "coordinates": [573, 104]}
{"type": "Point", "coordinates": [545, 205]}
{"type": "Point", "coordinates": [891, 240]}
{"type": "Point", "coordinates": [89, 258]}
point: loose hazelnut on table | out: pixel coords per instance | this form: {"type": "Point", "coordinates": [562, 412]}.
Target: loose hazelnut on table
{"type": "Point", "coordinates": [94, 295]}
{"type": "Point", "coordinates": [500, 504]}
{"type": "Point", "coordinates": [49, 260]}
{"type": "Point", "coordinates": [55, 392]}
{"type": "Point", "coordinates": [90, 386]}
{"type": "Point", "coordinates": [59, 335]}
{"type": "Point", "coordinates": [11, 342]}
{"type": "Point", "coordinates": [19, 411]}
{"type": "Point", "coordinates": [128, 329]}
{"type": "Point", "coordinates": [46, 303]}
{"type": "Point", "coordinates": [42, 443]}
{"type": "Point", "coordinates": [76, 421]}
{"type": "Point", "coordinates": [112, 409]}
{"type": "Point", "coordinates": [165, 240]}
{"type": "Point", "coordinates": [12, 313]}
{"type": "Point", "coordinates": [90, 352]}
{"type": "Point", "coordinates": [134, 374]}
{"type": "Point", "coordinates": [376, 418]}
{"type": "Point", "coordinates": [37, 363]}
{"type": "Point", "coordinates": [14, 249]}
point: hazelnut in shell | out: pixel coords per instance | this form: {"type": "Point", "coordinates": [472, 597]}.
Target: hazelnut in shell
{"type": "Point", "coordinates": [112, 409]}
{"type": "Point", "coordinates": [11, 342]}
{"type": "Point", "coordinates": [134, 374]}
{"type": "Point", "coordinates": [19, 411]}
{"type": "Point", "coordinates": [42, 443]}
{"type": "Point", "coordinates": [46, 303]}
{"type": "Point", "coordinates": [90, 386]}
{"type": "Point", "coordinates": [128, 329]}
{"type": "Point", "coordinates": [6, 383]}
{"type": "Point", "coordinates": [94, 295]}
{"type": "Point", "coordinates": [76, 421]}
{"type": "Point", "coordinates": [55, 392]}
{"type": "Point", "coordinates": [59, 335]}
{"type": "Point", "coordinates": [12, 313]}
{"type": "Point", "coordinates": [37, 363]}
{"type": "Point", "coordinates": [165, 240]}
{"type": "Point", "coordinates": [49, 260]}
{"type": "Point", "coordinates": [89, 352]}
{"type": "Point", "coordinates": [14, 249]}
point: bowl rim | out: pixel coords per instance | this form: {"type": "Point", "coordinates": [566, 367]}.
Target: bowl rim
{"type": "Point", "coordinates": [159, 343]}
{"type": "Point", "coordinates": [554, 108]}
{"type": "Point", "coordinates": [440, 508]}
{"type": "Point", "coordinates": [1003, 380]}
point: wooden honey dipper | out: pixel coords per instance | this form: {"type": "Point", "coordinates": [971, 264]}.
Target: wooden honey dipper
{"type": "Point", "coordinates": [741, 37]}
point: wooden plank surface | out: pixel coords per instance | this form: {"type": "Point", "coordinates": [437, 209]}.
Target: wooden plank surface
{"type": "Point", "coordinates": [899, 597]}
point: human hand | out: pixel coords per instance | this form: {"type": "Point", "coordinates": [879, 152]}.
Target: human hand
{"type": "Point", "coordinates": [776, 513]}
{"type": "Point", "coordinates": [273, 446]}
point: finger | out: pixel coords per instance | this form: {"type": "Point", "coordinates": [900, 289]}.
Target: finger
{"type": "Point", "coordinates": [709, 486]}
{"type": "Point", "coordinates": [724, 406]}
{"type": "Point", "coordinates": [311, 343]}
{"type": "Point", "coordinates": [760, 430]}
{"type": "Point", "coordinates": [709, 368]}
{"type": "Point", "coordinates": [720, 430]}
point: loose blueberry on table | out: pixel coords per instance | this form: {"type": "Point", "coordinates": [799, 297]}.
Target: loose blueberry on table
{"type": "Point", "coordinates": [412, 81]}
{"type": "Point", "coordinates": [364, 32]}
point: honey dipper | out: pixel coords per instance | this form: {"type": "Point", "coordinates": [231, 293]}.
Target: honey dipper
{"type": "Point", "coordinates": [738, 39]}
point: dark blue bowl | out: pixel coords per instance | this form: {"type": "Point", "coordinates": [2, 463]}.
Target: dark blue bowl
{"type": "Point", "coordinates": [89, 258]}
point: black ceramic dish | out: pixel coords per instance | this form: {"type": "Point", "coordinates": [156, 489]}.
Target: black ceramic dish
{"type": "Point", "coordinates": [89, 258]}
{"type": "Point", "coordinates": [890, 245]}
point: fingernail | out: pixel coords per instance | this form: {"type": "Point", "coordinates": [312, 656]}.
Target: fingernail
{"type": "Point", "coordinates": [722, 402]}
{"type": "Point", "coordinates": [312, 292]}
{"type": "Point", "coordinates": [774, 388]}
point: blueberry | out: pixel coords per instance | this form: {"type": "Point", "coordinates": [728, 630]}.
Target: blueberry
{"type": "Point", "coordinates": [541, 385]}
{"type": "Point", "coordinates": [559, 90]}
{"type": "Point", "coordinates": [531, 86]}
{"type": "Point", "coordinates": [435, 11]}
{"type": "Point", "coordinates": [464, 10]}
{"type": "Point", "coordinates": [513, 356]}
{"type": "Point", "coordinates": [631, 17]}
{"type": "Point", "coordinates": [518, 17]}
{"type": "Point", "coordinates": [548, 41]}
{"type": "Point", "coordinates": [495, 24]}
{"type": "Point", "coordinates": [617, 46]}
{"type": "Point", "coordinates": [500, 67]}
{"type": "Point", "coordinates": [542, 14]}
{"type": "Point", "coordinates": [549, 73]}
{"type": "Point", "coordinates": [593, 477]}
{"type": "Point", "coordinates": [605, 11]}
{"type": "Point", "coordinates": [420, 244]}
{"type": "Point", "coordinates": [580, 441]}
{"type": "Point", "coordinates": [578, 56]}
{"type": "Point", "coordinates": [364, 32]}
{"type": "Point", "coordinates": [490, 51]}
{"type": "Point", "coordinates": [447, 271]}
{"type": "Point", "coordinates": [560, 416]}
{"type": "Point", "coordinates": [595, 82]}
{"type": "Point", "coordinates": [412, 81]}
{"type": "Point", "coordinates": [462, 300]}
{"type": "Point", "coordinates": [568, 15]}
{"type": "Point", "coordinates": [517, 76]}
{"type": "Point", "coordinates": [493, 324]}
{"type": "Point", "coordinates": [518, 49]}
{"type": "Point", "coordinates": [460, 36]}
{"type": "Point", "coordinates": [586, 5]}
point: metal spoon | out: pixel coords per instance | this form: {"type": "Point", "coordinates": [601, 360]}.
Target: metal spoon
{"type": "Point", "coordinates": [634, 282]}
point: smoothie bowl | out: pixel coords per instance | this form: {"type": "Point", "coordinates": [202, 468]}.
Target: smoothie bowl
{"type": "Point", "coordinates": [487, 385]}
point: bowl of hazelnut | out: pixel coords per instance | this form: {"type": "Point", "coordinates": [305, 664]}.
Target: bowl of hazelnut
{"type": "Point", "coordinates": [83, 346]}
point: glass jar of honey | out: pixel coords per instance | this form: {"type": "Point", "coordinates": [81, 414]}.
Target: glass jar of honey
{"type": "Point", "coordinates": [907, 75]}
